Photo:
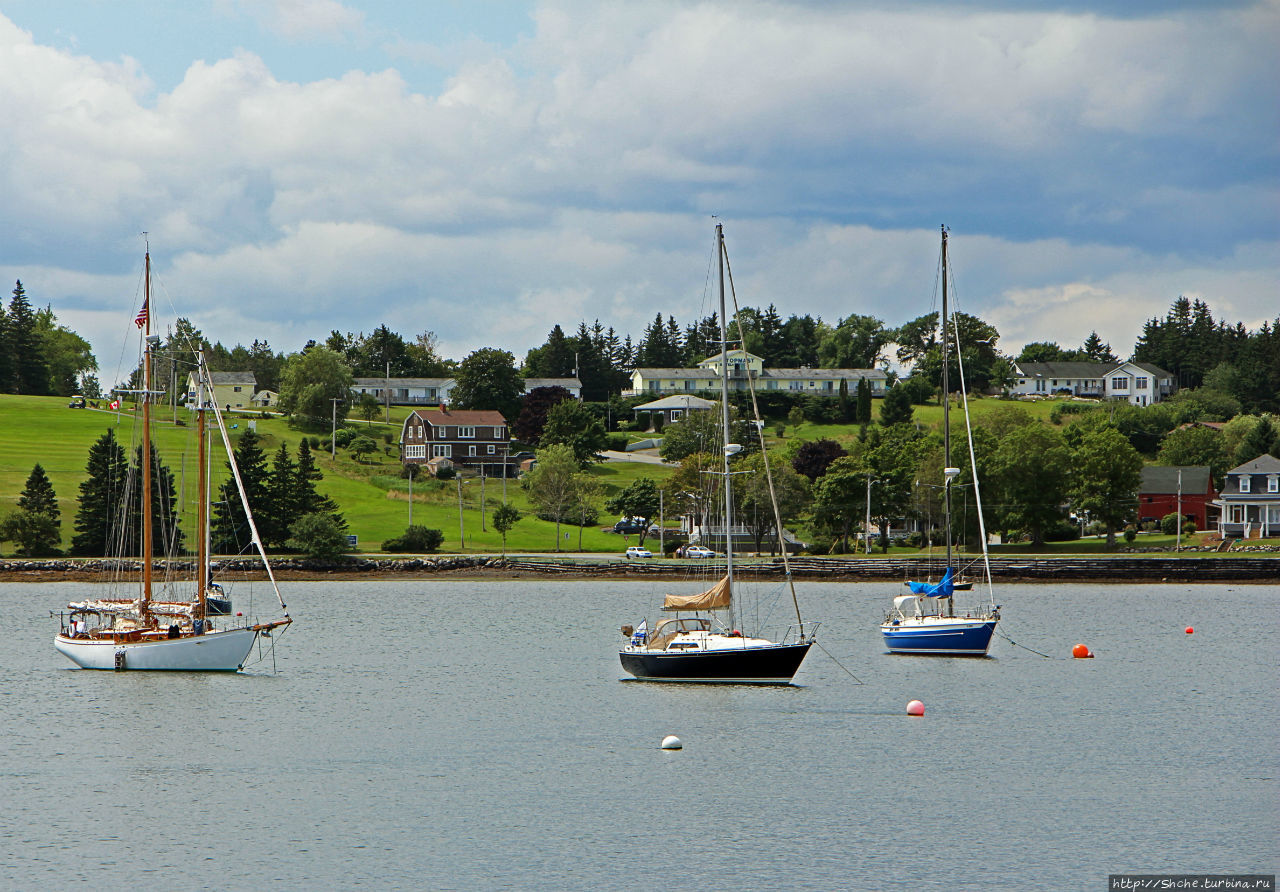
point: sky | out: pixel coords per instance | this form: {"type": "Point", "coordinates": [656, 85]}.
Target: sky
{"type": "Point", "coordinates": [484, 171]}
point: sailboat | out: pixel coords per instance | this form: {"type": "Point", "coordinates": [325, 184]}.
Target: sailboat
{"type": "Point", "coordinates": [145, 632]}
{"type": "Point", "coordinates": [700, 641]}
{"type": "Point", "coordinates": [926, 622]}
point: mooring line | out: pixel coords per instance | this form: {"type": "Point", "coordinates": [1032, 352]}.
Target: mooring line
{"type": "Point", "coordinates": [1023, 646]}
{"type": "Point", "coordinates": [838, 663]}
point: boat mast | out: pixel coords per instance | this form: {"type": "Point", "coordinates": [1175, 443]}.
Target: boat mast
{"type": "Point", "coordinates": [724, 420]}
{"type": "Point", "coordinates": [146, 437]}
{"type": "Point", "coordinates": [202, 464]}
{"type": "Point", "coordinates": [946, 406]}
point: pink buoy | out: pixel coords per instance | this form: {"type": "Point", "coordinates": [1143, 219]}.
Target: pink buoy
{"type": "Point", "coordinates": [915, 707]}
{"type": "Point", "coordinates": [1190, 631]}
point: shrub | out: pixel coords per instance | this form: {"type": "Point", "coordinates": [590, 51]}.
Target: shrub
{"type": "Point", "coordinates": [313, 442]}
{"type": "Point", "coordinates": [1130, 534]}
{"type": "Point", "coordinates": [780, 429]}
{"type": "Point", "coordinates": [417, 539]}
{"type": "Point", "coordinates": [1169, 525]}
{"type": "Point", "coordinates": [618, 442]}
{"type": "Point", "coordinates": [318, 536]}
{"type": "Point", "coordinates": [446, 474]}
{"type": "Point", "coordinates": [1097, 528]}
{"type": "Point", "coordinates": [386, 438]}
{"type": "Point", "coordinates": [343, 436]}
{"type": "Point", "coordinates": [1062, 531]}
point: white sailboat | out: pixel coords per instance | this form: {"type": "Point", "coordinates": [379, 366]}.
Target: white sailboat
{"type": "Point", "coordinates": [701, 641]}
{"type": "Point", "coordinates": [145, 633]}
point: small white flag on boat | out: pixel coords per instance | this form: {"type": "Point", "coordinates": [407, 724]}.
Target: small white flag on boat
{"type": "Point", "coordinates": [637, 637]}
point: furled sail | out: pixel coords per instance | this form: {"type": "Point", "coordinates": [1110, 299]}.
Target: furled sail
{"type": "Point", "coordinates": [942, 589]}
{"type": "Point", "coordinates": [715, 598]}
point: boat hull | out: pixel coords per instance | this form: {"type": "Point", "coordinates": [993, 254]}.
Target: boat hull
{"type": "Point", "coordinates": [940, 636]}
{"type": "Point", "coordinates": [214, 652]}
{"type": "Point", "coordinates": [775, 664]}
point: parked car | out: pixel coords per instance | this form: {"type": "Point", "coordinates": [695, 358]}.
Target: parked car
{"type": "Point", "coordinates": [698, 551]}
{"type": "Point", "coordinates": [518, 457]}
{"type": "Point", "coordinates": [629, 525]}
{"type": "Point", "coordinates": [638, 551]}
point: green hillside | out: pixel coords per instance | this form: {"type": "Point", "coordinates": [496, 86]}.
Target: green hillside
{"type": "Point", "coordinates": [372, 496]}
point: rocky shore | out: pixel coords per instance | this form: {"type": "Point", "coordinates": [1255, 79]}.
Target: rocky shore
{"type": "Point", "coordinates": [1166, 568]}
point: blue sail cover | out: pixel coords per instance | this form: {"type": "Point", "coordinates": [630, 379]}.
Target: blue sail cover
{"type": "Point", "coordinates": [941, 589]}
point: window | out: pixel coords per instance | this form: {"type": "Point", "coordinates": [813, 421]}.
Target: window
{"type": "Point", "coordinates": [1054, 382]}
{"type": "Point", "coordinates": [1140, 383]}
{"type": "Point", "coordinates": [1119, 383]}
{"type": "Point", "coordinates": [466, 433]}
{"type": "Point", "coordinates": [441, 451]}
{"type": "Point", "coordinates": [1273, 483]}
{"type": "Point", "coordinates": [235, 389]}
{"type": "Point", "coordinates": [415, 451]}
{"type": "Point", "coordinates": [492, 449]}
{"type": "Point", "coordinates": [471, 450]}
{"type": "Point", "coordinates": [1244, 483]}
{"type": "Point", "coordinates": [676, 413]}
{"type": "Point", "coordinates": [500, 433]}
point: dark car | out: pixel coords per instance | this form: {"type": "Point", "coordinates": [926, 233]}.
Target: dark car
{"type": "Point", "coordinates": [628, 525]}
{"type": "Point", "coordinates": [518, 457]}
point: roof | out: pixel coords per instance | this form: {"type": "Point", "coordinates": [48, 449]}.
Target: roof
{"type": "Point", "coordinates": [466, 417]}
{"type": "Point", "coordinates": [736, 351]}
{"type": "Point", "coordinates": [823, 373]}
{"type": "Point", "coordinates": [1164, 479]}
{"type": "Point", "coordinates": [1263, 464]}
{"type": "Point", "coordinates": [678, 401]}
{"type": "Point", "coordinates": [401, 382]}
{"type": "Point", "coordinates": [678, 373]}
{"type": "Point", "coordinates": [1155, 370]}
{"type": "Point", "coordinates": [566, 383]}
{"type": "Point", "coordinates": [1064, 369]}
{"type": "Point", "coordinates": [217, 378]}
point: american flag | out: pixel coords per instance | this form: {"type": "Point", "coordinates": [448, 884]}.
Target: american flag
{"type": "Point", "coordinates": [141, 318]}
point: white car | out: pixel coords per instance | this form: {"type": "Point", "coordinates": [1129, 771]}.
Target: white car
{"type": "Point", "coordinates": [638, 551]}
{"type": "Point", "coordinates": [698, 551]}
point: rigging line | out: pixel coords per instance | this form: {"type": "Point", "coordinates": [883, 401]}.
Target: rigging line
{"type": "Point", "coordinates": [838, 663]}
{"type": "Point", "coordinates": [764, 452]}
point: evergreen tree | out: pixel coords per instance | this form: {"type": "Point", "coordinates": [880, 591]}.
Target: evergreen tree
{"type": "Point", "coordinates": [35, 526]}
{"type": "Point", "coordinates": [38, 495]}
{"type": "Point", "coordinates": [1258, 442]}
{"type": "Point", "coordinates": [6, 354]}
{"type": "Point", "coordinates": [896, 408]}
{"type": "Point", "coordinates": [166, 532]}
{"type": "Point", "coordinates": [282, 506]}
{"type": "Point", "coordinates": [847, 412]}
{"type": "Point", "coordinates": [308, 500]}
{"type": "Point", "coordinates": [1096, 350]}
{"type": "Point", "coordinates": [864, 401]}
{"type": "Point", "coordinates": [30, 368]}
{"type": "Point", "coordinates": [98, 517]}
{"type": "Point", "coordinates": [230, 527]}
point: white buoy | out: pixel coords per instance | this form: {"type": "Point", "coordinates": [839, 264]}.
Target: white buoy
{"type": "Point", "coordinates": [915, 707]}
{"type": "Point", "coordinates": [671, 742]}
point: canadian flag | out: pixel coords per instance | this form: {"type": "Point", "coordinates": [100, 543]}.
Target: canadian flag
{"type": "Point", "coordinates": [115, 404]}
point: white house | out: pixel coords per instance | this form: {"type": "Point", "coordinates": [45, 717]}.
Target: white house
{"type": "Point", "coordinates": [744, 366]}
{"type": "Point", "coordinates": [1249, 504]}
{"type": "Point", "coordinates": [231, 390]}
{"type": "Point", "coordinates": [1139, 383]}
{"type": "Point", "coordinates": [406, 391]}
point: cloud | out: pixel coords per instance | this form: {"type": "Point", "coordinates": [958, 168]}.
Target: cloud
{"type": "Point", "coordinates": [1092, 168]}
{"type": "Point", "coordinates": [304, 20]}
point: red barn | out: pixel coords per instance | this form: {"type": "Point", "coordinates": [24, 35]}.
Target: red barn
{"type": "Point", "coordinates": [1158, 494]}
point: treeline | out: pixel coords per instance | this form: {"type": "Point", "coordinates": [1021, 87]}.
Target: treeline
{"type": "Point", "coordinates": [38, 356]}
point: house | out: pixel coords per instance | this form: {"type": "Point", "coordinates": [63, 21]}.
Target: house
{"type": "Point", "coordinates": [573, 385]}
{"type": "Point", "coordinates": [674, 407]}
{"type": "Point", "coordinates": [264, 398]}
{"type": "Point", "coordinates": [1158, 494]}
{"type": "Point", "coordinates": [231, 390]}
{"type": "Point", "coordinates": [1249, 504]}
{"type": "Point", "coordinates": [744, 367]}
{"type": "Point", "coordinates": [405, 391]}
{"type": "Point", "coordinates": [465, 437]}
{"type": "Point", "coordinates": [1139, 383]}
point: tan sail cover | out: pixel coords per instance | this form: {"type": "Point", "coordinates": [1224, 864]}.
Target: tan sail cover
{"type": "Point", "coordinates": [714, 598]}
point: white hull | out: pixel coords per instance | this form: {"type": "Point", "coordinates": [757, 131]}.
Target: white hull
{"type": "Point", "coordinates": [214, 652]}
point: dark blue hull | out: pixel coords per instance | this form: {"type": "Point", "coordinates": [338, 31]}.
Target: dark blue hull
{"type": "Point", "coordinates": [946, 637]}
{"type": "Point", "coordinates": [214, 606]}
{"type": "Point", "coordinates": [756, 665]}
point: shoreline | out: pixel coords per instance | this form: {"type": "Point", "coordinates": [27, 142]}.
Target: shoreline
{"type": "Point", "coordinates": [1186, 569]}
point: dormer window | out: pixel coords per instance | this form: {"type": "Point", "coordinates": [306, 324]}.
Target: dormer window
{"type": "Point", "coordinates": [1244, 482]}
{"type": "Point", "coordinates": [466, 433]}
{"type": "Point", "coordinates": [1273, 483]}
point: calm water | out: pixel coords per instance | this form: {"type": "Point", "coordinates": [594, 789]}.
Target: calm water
{"type": "Point", "coordinates": [478, 735]}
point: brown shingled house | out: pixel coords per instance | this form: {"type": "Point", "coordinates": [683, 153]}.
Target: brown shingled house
{"type": "Point", "coordinates": [466, 437]}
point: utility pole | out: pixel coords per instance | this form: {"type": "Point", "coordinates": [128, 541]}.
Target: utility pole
{"type": "Point", "coordinates": [386, 391]}
{"type": "Point", "coordinates": [1178, 547]}
{"type": "Point", "coordinates": [662, 525]}
{"type": "Point", "coordinates": [333, 429]}
{"type": "Point", "coordinates": [482, 527]}
{"type": "Point", "coordinates": [866, 528]}
{"type": "Point", "coordinates": [413, 472]}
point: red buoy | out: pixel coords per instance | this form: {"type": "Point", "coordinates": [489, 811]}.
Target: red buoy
{"type": "Point", "coordinates": [915, 707]}
{"type": "Point", "coordinates": [1190, 631]}
{"type": "Point", "coordinates": [1080, 652]}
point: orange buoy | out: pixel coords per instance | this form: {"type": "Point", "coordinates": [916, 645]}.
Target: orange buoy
{"type": "Point", "coordinates": [1190, 631]}
{"type": "Point", "coordinates": [915, 707]}
{"type": "Point", "coordinates": [1080, 652]}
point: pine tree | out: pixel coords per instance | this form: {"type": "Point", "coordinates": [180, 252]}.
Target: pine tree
{"type": "Point", "coordinates": [98, 517]}
{"type": "Point", "coordinates": [1096, 350]}
{"type": "Point", "coordinates": [864, 401]}
{"type": "Point", "coordinates": [847, 412]}
{"type": "Point", "coordinates": [230, 528]}
{"type": "Point", "coordinates": [35, 526]}
{"type": "Point", "coordinates": [30, 369]}
{"type": "Point", "coordinates": [283, 506]}
{"type": "Point", "coordinates": [1258, 442]}
{"type": "Point", "coordinates": [38, 494]}
{"type": "Point", "coordinates": [6, 354]}
{"type": "Point", "coordinates": [308, 500]}
{"type": "Point", "coordinates": [166, 533]}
